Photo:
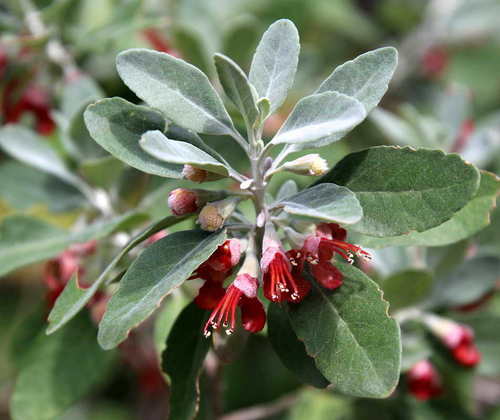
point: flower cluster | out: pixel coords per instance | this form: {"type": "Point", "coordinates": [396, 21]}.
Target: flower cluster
{"type": "Point", "coordinates": [283, 273]}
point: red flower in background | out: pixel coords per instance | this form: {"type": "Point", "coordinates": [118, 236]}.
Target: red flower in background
{"type": "Point", "coordinates": [424, 382]}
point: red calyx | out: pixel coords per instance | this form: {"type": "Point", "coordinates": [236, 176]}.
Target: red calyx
{"type": "Point", "coordinates": [424, 382]}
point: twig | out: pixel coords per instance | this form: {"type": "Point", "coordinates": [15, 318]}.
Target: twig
{"type": "Point", "coordinates": [264, 410]}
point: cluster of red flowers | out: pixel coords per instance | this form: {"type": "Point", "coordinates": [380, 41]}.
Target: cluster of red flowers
{"type": "Point", "coordinates": [19, 99]}
{"type": "Point", "coordinates": [282, 272]}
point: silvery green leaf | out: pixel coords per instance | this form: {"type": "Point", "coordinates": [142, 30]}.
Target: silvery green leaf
{"type": "Point", "coordinates": [327, 202]}
{"type": "Point", "coordinates": [237, 87]}
{"type": "Point", "coordinates": [117, 125]}
{"type": "Point", "coordinates": [287, 189]}
{"type": "Point", "coordinates": [178, 89]}
{"type": "Point", "coordinates": [161, 147]}
{"type": "Point", "coordinates": [28, 147]}
{"type": "Point", "coordinates": [275, 62]}
{"type": "Point", "coordinates": [365, 78]}
{"type": "Point", "coordinates": [318, 116]}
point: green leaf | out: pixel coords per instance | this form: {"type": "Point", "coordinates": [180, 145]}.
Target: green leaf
{"type": "Point", "coordinates": [58, 371]}
{"type": "Point", "coordinates": [24, 187]}
{"type": "Point", "coordinates": [403, 190]}
{"type": "Point", "coordinates": [287, 189]}
{"type": "Point", "coordinates": [366, 78]}
{"type": "Point", "coordinates": [275, 62]}
{"type": "Point", "coordinates": [162, 148]}
{"type": "Point", "coordinates": [172, 307]}
{"type": "Point", "coordinates": [102, 172]}
{"type": "Point", "coordinates": [407, 288]}
{"type": "Point", "coordinates": [467, 283]}
{"type": "Point", "coordinates": [354, 343]}
{"type": "Point", "coordinates": [237, 87]}
{"type": "Point", "coordinates": [117, 125]}
{"type": "Point", "coordinates": [327, 202]}
{"type": "Point", "coordinates": [314, 404]}
{"type": "Point", "coordinates": [318, 116]}
{"type": "Point", "coordinates": [77, 93]}
{"type": "Point", "coordinates": [290, 350]}
{"type": "Point", "coordinates": [183, 361]}
{"type": "Point", "coordinates": [74, 298]}
{"type": "Point", "coordinates": [473, 217]}
{"type": "Point", "coordinates": [161, 267]}
{"type": "Point", "coordinates": [178, 89]}
{"type": "Point", "coordinates": [28, 147]}
{"type": "Point", "coordinates": [25, 240]}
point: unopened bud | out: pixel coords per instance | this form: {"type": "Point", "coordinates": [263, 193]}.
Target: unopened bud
{"type": "Point", "coordinates": [312, 164]}
{"type": "Point", "coordinates": [214, 214]}
{"type": "Point", "coordinates": [183, 201]}
{"type": "Point", "coordinates": [192, 173]}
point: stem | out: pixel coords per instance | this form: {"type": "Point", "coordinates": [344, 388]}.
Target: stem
{"type": "Point", "coordinates": [263, 411]}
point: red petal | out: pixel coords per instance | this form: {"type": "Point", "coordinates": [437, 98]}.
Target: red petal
{"type": "Point", "coordinates": [253, 315]}
{"type": "Point", "coordinates": [327, 275]}
{"type": "Point", "coordinates": [209, 295]}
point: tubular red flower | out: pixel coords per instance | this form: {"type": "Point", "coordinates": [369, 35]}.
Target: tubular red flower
{"type": "Point", "coordinates": [327, 275]}
{"type": "Point", "coordinates": [218, 267]}
{"type": "Point", "coordinates": [280, 283]}
{"type": "Point", "coordinates": [423, 381]}
{"type": "Point", "coordinates": [242, 293]}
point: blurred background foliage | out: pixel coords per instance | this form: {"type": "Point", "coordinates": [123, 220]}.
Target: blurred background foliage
{"type": "Point", "coordinates": [445, 94]}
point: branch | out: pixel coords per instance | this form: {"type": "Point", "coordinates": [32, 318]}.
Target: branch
{"type": "Point", "coordinates": [264, 410]}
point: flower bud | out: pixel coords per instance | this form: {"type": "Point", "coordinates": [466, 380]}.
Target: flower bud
{"type": "Point", "coordinates": [424, 381]}
{"type": "Point", "coordinates": [182, 201]}
{"type": "Point", "coordinates": [214, 214]}
{"type": "Point", "coordinates": [312, 164]}
{"type": "Point", "coordinates": [194, 174]}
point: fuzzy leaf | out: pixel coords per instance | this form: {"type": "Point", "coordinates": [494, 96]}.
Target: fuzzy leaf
{"type": "Point", "coordinates": [25, 240]}
{"type": "Point", "coordinates": [290, 350]}
{"type": "Point", "coordinates": [355, 344]}
{"type": "Point", "coordinates": [58, 371]}
{"type": "Point", "coordinates": [365, 78]}
{"type": "Point", "coordinates": [237, 87]}
{"type": "Point", "coordinates": [74, 298]}
{"type": "Point", "coordinates": [287, 189]}
{"type": "Point", "coordinates": [467, 283]}
{"type": "Point", "coordinates": [178, 89]}
{"type": "Point", "coordinates": [327, 202]}
{"type": "Point", "coordinates": [162, 148]}
{"type": "Point", "coordinates": [403, 190]}
{"type": "Point", "coordinates": [183, 359]}
{"type": "Point", "coordinates": [407, 288]}
{"type": "Point", "coordinates": [28, 147]}
{"type": "Point", "coordinates": [318, 116]}
{"type": "Point", "coordinates": [473, 217]}
{"type": "Point", "coordinates": [161, 267]}
{"type": "Point", "coordinates": [275, 62]}
{"type": "Point", "coordinates": [117, 125]}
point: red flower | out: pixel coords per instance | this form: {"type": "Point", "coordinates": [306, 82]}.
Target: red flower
{"type": "Point", "coordinates": [241, 293]}
{"type": "Point", "coordinates": [318, 251]}
{"type": "Point", "coordinates": [281, 282]}
{"type": "Point", "coordinates": [435, 61]}
{"type": "Point", "coordinates": [33, 100]}
{"type": "Point", "coordinates": [424, 381]}
{"type": "Point", "coordinates": [458, 338]}
{"type": "Point", "coordinates": [215, 270]}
